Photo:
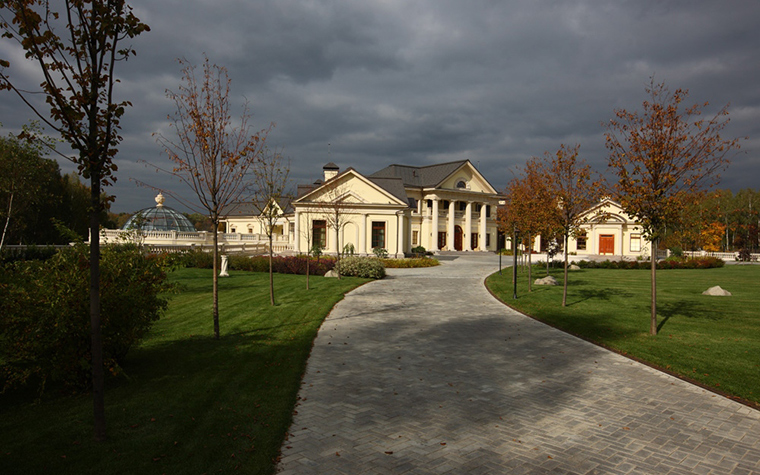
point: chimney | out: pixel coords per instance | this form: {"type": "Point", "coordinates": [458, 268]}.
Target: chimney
{"type": "Point", "coordinates": [330, 170]}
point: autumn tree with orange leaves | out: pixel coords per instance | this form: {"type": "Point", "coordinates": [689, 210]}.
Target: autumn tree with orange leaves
{"type": "Point", "coordinates": [210, 155]}
{"type": "Point", "coordinates": [575, 189]}
{"type": "Point", "coordinates": [661, 156]}
{"type": "Point", "coordinates": [528, 206]}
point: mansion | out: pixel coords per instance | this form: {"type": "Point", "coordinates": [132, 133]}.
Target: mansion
{"type": "Point", "coordinates": [445, 207]}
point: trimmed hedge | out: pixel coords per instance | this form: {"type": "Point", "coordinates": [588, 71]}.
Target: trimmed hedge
{"type": "Point", "coordinates": [282, 264]}
{"type": "Point", "coordinates": [366, 267]}
{"type": "Point", "coordinates": [670, 263]}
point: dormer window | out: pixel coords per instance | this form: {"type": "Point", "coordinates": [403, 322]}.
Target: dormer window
{"type": "Point", "coordinates": [461, 184]}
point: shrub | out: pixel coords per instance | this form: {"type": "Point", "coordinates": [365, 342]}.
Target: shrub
{"type": "Point", "coordinates": [669, 263]}
{"type": "Point", "coordinates": [410, 263]}
{"type": "Point", "coordinates": [29, 253]}
{"type": "Point", "coordinates": [744, 255]}
{"type": "Point", "coordinates": [198, 258]}
{"type": "Point", "coordinates": [380, 252]}
{"type": "Point", "coordinates": [418, 251]}
{"type": "Point", "coordinates": [45, 313]}
{"type": "Point", "coordinates": [366, 267]}
{"type": "Point", "coordinates": [282, 264]}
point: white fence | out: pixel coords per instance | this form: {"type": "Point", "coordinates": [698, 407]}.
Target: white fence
{"type": "Point", "coordinates": [726, 256]}
{"type": "Point", "coordinates": [176, 241]}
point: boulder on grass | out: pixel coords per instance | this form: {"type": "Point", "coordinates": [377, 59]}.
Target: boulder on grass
{"type": "Point", "coordinates": [573, 267]}
{"type": "Point", "coordinates": [717, 292]}
{"type": "Point", "coordinates": [331, 273]}
{"type": "Point", "coordinates": [548, 280]}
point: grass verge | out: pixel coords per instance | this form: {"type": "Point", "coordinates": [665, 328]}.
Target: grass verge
{"type": "Point", "coordinates": [188, 403]}
{"type": "Point", "coordinates": [714, 341]}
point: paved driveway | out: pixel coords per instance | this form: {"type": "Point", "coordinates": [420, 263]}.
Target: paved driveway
{"type": "Point", "coordinates": [424, 372]}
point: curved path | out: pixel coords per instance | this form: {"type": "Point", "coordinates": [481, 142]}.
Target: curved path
{"type": "Point", "coordinates": [425, 372]}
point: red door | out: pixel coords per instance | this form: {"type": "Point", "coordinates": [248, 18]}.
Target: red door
{"type": "Point", "coordinates": [607, 244]}
{"type": "Point", "coordinates": [458, 238]}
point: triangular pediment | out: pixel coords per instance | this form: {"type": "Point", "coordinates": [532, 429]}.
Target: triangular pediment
{"type": "Point", "coordinates": [607, 211]}
{"type": "Point", "coordinates": [467, 178]}
{"type": "Point", "coordinates": [351, 187]}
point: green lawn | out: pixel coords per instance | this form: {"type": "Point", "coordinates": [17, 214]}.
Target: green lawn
{"type": "Point", "coordinates": [189, 404]}
{"type": "Point", "coordinates": [713, 340]}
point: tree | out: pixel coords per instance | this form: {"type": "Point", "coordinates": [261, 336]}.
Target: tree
{"type": "Point", "coordinates": [575, 190]}
{"type": "Point", "coordinates": [306, 233]}
{"type": "Point", "coordinates": [530, 205]}
{"type": "Point", "coordinates": [22, 174]}
{"type": "Point", "coordinates": [336, 207]}
{"type": "Point", "coordinates": [210, 155]}
{"type": "Point", "coordinates": [662, 156]}
{"type": "Point", "coordinates": [270, 197]}
{"type": "Point", "coordinates": [78, 83]}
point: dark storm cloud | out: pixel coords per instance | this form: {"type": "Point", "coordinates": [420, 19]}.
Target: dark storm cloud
{"type": "Point", "coordinates": [426, 81]}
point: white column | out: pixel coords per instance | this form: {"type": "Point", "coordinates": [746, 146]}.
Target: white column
{"type": "Point", "coordinates": [332, 243]}
{"type": "Point", "coordinates": [468, 227]}
{"type": "Point", "coordinates": [297, 233]}
{"type": "Point", "coordinates": [434, 232]}
{"type": "Point", "coordinates": [450, 226]}
{"type": "Point", "coordinates": [483, 229]}
{"type": "Point", "coordinates": [400, 236]}
{"type": "Point", "coordinates": [363, 235]}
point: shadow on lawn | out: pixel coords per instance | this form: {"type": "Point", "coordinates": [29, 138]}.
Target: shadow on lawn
{"type": "Point", "coordinates": [597, 294]}
{"type": "Point", "coordinates": [683, 308]}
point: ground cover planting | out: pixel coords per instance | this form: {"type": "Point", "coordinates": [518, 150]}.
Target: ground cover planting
{"type": "Point", "coordinates": [714, 341]}
{"type": "Point", "coordinates": [186, 403]}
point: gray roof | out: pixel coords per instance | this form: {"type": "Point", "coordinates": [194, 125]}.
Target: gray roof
{"type": "Point", "coordinates": [392, 185]}
{"type": "Point", "coordinates": [426, 177]}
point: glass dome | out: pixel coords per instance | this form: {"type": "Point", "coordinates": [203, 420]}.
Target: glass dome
{"type": "Point", "coordinates": [160, 218]}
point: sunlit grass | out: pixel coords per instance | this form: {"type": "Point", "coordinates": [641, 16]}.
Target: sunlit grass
{"type": "Point", "coordinates": [712, 340]}
{"type": "Point", "coordinates": [188, 403]}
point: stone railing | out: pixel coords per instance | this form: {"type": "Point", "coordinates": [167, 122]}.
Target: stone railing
{"type": "Point", "coordinates": [726, 256]}
{"type": "Point", "coordinates": [175, 241]}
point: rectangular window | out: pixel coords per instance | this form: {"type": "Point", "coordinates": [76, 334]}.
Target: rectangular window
{"type": "Point", "coordinates": [462, 206]}
{"type": "Point", "coordinates": [488, 211]}
{"type": "Point", "coordinates": [635, 242]}
{"type": "Point", "coordinates": [488, 239]}
{"type": "Point", "coordinates": [581, 241]}
{"type": "Point", "coordinates": [415, 238]}
{"type": "Point", "coordinates": [319, 233]}
{"type": "Point", "coordinates": [378, 234]}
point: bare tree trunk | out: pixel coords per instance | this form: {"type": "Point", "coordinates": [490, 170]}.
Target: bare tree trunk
{"type": "Point", "coordinates": [337, 244]}
{"type": "Point", "coordinates": [308, 261]}
{"type": "Point", "coordinates": [530, 264]}
{"type": "Point", "coordinates": [653, 326]}
{"type": "Point", "coordinates": [215, 253]}
{"type": "Point", "coordinates": [96, 337]}
{"type": "Point", "coordinates": [564, 284]}
{"type": "Point", "coordinates": [7, 220]}
{"type": "Point", "coordinates": [271, 275]}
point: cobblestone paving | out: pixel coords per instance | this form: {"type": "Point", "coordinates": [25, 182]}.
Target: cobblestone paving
{"type": "Point", "coordinates": [426, 373]}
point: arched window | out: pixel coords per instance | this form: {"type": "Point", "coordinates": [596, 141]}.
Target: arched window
{"type": "Point", "coordinates": [461, 184]}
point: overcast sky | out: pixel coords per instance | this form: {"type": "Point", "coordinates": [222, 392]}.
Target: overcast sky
{"type": "Point", "coordinates": [420, 82]}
